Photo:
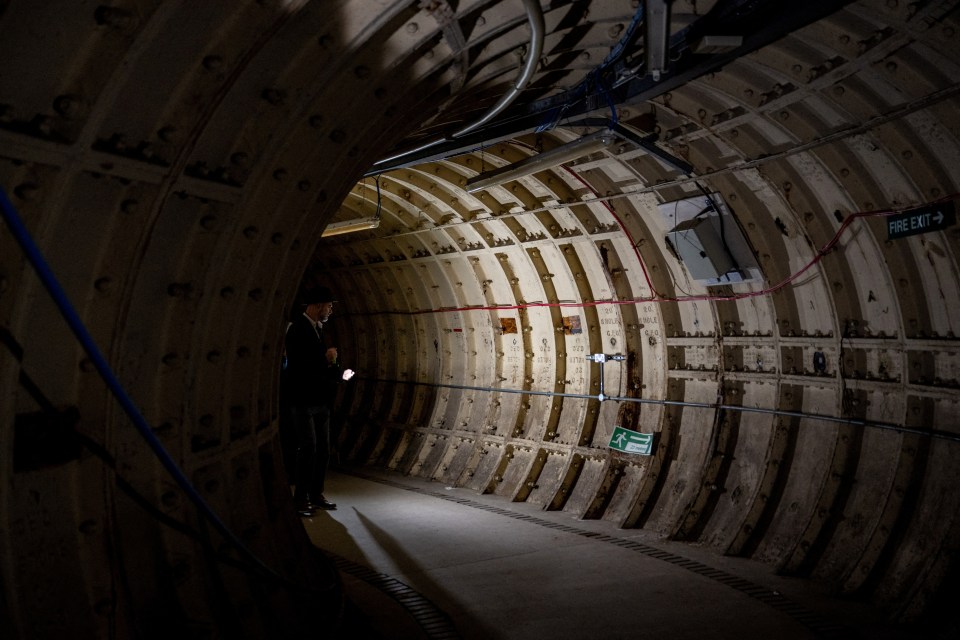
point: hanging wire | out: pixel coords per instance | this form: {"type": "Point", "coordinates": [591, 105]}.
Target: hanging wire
{"type": "Point", "coordinates": [595, 79]}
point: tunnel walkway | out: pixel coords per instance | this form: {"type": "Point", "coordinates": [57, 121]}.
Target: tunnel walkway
{"type": "Point", "coordinates": [424, 560]}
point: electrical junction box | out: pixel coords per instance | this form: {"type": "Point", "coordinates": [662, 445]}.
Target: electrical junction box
{"type": "Point", "coordinates": [699, 244]}
{"type": "Point", "coordinates": [703, 233]}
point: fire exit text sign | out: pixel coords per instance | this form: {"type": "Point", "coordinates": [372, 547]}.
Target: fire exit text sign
{"type": "Point", "coordinates": [922, 220]}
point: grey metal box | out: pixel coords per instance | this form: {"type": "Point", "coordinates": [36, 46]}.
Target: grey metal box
{"type": "Point", "coordinates": [700, 247]}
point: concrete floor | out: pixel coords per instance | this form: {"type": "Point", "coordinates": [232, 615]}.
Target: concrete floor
{"type": "Point", "coordinates": [411, 551]}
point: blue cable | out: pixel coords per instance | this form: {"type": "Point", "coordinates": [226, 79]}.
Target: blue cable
{"type": "Point", "coordinates": [49, 280]}
{"type": "Point", "coordinates": [551, 118]}
{"type": "Point", "coordinates": [614, 116]}
{"type": "Point", "coordinates": [617, 50]}
{"type": "Point", "coordinates": [612, 57]}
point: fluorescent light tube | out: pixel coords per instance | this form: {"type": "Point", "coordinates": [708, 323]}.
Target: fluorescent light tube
{"type": "Point", "coordinates": [349, 226]}
{"type": "Point", "coordinates": [541, 161]}
{"type": "Point", "coordinates": [657, 36]}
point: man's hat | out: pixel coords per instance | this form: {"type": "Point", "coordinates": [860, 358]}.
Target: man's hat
{"type": "Point", "coordinates": [318, 295]}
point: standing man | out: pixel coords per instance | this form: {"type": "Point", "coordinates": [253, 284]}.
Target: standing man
{"type": "Point", "coordinates": [313, 373]}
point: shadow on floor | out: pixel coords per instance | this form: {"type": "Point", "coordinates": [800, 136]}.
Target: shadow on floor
{"type": "Point", "coordinates": [378, 606]}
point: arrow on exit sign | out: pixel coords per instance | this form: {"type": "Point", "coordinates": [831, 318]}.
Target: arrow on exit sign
{"type": "Point", "coordinates": [922, 220]}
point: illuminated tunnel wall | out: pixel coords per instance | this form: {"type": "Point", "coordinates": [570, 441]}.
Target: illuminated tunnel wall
{"type": "Point", "coordinates": [177, 162]}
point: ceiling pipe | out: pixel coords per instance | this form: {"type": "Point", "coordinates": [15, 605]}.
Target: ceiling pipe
{"type": "Point", "coordinates": [542, 161]}
{"type": "Point", "coordinates": [534, 49]}
{"type": "Point", "coordinates": [757, 23]}
{"type": "Point", "coordinates": [537, 30]}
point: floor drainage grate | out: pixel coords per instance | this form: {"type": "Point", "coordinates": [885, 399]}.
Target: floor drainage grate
{"type": "Point", "coordinates": [436, 624]}
{"type": "Point", "coordinates": [809, 619]}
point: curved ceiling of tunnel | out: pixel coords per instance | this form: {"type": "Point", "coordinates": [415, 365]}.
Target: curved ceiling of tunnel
{"type": "Point", "coordinates": [221, 171]}
{"type": "Point", "coordinates": [809, 147]}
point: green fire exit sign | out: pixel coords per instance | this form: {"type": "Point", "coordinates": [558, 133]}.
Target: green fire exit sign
{"type": "Point", "coordinates": [631, 442]}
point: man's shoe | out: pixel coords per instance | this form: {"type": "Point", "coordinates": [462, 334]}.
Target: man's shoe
{"type": "Point", "coordinates": [323, 503]}
{"type": "Point", "coordinates": [304, 508]}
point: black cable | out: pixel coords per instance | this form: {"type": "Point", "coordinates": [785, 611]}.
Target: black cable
{"type": "Point", "coordinates": [931, 433]}
{"type": "Point", "coordinates": [595, 79]}
{"type": "Point", "coordinates": [674, 246]}
{"type": "Point", "coordinates": [723, 235]}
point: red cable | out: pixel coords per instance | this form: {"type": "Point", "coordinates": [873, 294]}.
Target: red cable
{"type": "Point", "coordinates": [623, 228]}
{"type": "Point", "coordinates": [739, 296]}
{"type": "Point", "coordinates": [698, 298]}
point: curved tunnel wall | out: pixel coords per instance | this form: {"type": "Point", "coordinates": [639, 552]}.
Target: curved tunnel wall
{"type": "Point", "coordinates": [177, 165]}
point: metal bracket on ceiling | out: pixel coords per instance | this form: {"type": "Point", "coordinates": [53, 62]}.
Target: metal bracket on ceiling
{"type": "Point", "coordinates": [446, 19]}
